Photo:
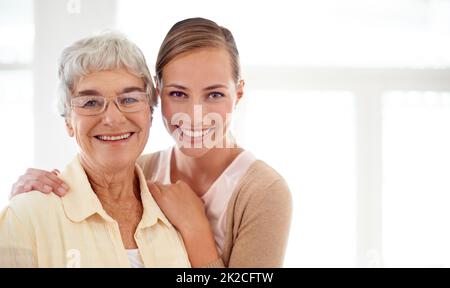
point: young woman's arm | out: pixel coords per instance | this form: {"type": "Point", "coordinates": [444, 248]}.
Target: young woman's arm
{"type": "Point", "coordinates": [261, 226]}
{"type": "Point", "coordinates": [261, 216]}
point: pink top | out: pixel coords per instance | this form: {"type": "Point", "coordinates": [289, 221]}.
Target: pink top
{"type": "Point", "coordinates": [218, 195]}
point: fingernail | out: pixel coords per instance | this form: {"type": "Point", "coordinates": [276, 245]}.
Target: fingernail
{"type": "Point", "coordinates": [47, 188]}
{"type": "Point", "coordinates": [64, 185]}
{"type": "Point", "coordinates": [61, 190]}
{"type": "Point", "coordinates": [27, 187]}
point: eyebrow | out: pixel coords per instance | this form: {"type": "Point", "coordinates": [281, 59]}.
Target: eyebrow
{"type": "Point", "coordinates": [132, 89]}
{"type": "Point", "coordinates": [181, 87]}
{"type": "Point", "coordinates": [96, 93]}
{"type": "Point", "coordinates": [211, 87]}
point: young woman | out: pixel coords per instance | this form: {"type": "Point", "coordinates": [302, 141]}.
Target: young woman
{"type": "Point", "coordinates": [221, 191]}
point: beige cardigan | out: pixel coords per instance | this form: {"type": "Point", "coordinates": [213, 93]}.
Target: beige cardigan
{"type": "Point", "coordinates": [258, 217]}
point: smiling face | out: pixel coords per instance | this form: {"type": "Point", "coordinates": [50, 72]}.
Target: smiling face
{"type": "Point", "coordinates": [112, 140]}
{"type": "Point", "coordinates": [198, 95]}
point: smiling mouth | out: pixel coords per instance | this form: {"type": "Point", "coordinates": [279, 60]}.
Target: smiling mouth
{"type": "Point", "coordinates": [112, 138]}
{"type": "Point", "coordinates": [195, 133]}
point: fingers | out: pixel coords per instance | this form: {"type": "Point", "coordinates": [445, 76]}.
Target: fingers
{"type": "Point", "coordinates": [51, 175]}
{"type": "Point", "coordinates": [19, 188]}
{"type": "Point", "coordinates": [24, 186]}
{"type": "Point", "coordinates": [40, 186]}
{"type": "Point", "coordinates": [154, 190]}
{"type": "Point", "coordinates": [45, 183]}
{"type": "Point", "coordinates": [59, 187]}
{"type": "Point", "coordinates": [181, 184]}
{"type": "Point", "coordinates": [40, 180]}
{"type": "Point", "coordinates": [161, 187]}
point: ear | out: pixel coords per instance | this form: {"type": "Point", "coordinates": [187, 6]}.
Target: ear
{"type": "Point", "coordinates": [240, 91]}
{"type": "Point", "coordinates": [69, 127]}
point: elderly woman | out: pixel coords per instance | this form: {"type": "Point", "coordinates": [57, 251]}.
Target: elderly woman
{"type": "Point", "coordinates": [109, 219]}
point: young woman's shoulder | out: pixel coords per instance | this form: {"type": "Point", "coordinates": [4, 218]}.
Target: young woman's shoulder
{"type": "Point", "coordinates": [261, 175]}
{"type": "Point", "coordinates": [262, 185]}
{"type": "Point", "coordinates": [259, 216]}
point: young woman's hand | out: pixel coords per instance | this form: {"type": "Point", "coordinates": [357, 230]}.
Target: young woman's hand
{"type": "Point", "coordinates": [183, 208]}
{"type": "Point", "coordinates": [186, 211]}
{"type": "Point", "coordinates": [40, 180]}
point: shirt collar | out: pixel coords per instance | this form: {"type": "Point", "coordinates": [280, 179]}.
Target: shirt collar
{"type": "Point", "coordinates": [81, 201]}
{"type": "Point", "coordinates": [152, 212]}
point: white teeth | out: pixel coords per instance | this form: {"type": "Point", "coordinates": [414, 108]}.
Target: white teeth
{"type": "Point", "coordinates": [196, 133]}
{"type": "Point", "coordinates": [114, 138]}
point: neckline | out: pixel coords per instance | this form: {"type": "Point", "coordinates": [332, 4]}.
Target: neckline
{"type": "Point", "coordinates": [169, 164]}
{"type": "Point", "coordinates": [225, 171]}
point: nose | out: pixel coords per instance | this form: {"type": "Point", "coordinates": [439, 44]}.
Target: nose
{"type": "Point", "coordinates": [112, 114]}
{"type": "Point", "coordinates": [199, 115]}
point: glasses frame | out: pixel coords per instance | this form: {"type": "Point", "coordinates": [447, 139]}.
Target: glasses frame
{"type": "Point", "coordinates": [106, 102]}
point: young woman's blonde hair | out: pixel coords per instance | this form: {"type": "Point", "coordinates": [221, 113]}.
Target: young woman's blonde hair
{"type": "Point", "coordinates": [196, 33]}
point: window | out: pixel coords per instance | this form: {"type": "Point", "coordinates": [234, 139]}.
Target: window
{"type": "Point", "coordinates": [416, 166]}
{"type": "Point", "coordinates": [309, 136]}
{"type": "Point", "coordinates": [16, 90]}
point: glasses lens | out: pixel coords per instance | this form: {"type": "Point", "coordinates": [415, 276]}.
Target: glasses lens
{"type": "Point", "coordinates": [88, 105]}
{"type": "Point", "coordinates": [132, 102]}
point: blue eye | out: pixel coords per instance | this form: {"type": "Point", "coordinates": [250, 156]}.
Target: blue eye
{"type": "Point", "coordinates": [128, 100]}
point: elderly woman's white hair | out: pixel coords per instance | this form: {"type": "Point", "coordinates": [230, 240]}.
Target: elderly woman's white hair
{"type": "Point", "coordinates": [97, 53]}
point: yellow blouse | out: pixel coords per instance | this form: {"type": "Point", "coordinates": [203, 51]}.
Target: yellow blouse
{"type": "Point", "coordinates": [44, 230]}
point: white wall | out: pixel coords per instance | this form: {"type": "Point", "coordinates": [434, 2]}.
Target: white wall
{"type": "Point", "coordinates": [58, 24]}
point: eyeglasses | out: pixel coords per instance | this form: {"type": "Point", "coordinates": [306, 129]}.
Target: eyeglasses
{"type": "Point", "coordinates": [90, 105]}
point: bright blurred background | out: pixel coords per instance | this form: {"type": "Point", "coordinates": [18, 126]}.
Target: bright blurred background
{"type": "Point", "coordinates": [349, 100]}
